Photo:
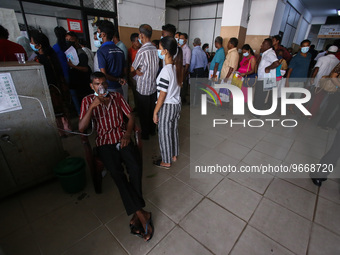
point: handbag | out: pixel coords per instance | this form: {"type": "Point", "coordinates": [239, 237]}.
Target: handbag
{"type": "Point", "coordinates": [250, 80]}
{"type": "Point", "coordinates": [327, 85]}
{"type": "Point", "coordinates": [269, 80]}
{"type": "Point", "coordinates": [237, 80]}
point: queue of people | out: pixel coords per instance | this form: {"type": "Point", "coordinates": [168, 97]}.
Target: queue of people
{"type": "Point", "coordinates": [158, 72]}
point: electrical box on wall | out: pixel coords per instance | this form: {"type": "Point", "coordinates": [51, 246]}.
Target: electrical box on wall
{"type": "Point", "coordinates": [30, 146]}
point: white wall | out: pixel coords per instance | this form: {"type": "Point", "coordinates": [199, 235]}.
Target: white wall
{"type": "Point", "coordinates": [319, 20]}
{"type": "Point", "coordinates": [133, 13]}
{"type": "Point", "coordinates": [261, 17]}
{"type": "Point", "coordinates": [236, 13]}
{"type": "Point", "coordinates": [171, 16]}
{"type": "Point", "coordinates": [279, 13]}
{"type": "Point", "coordinates": [8, 20]}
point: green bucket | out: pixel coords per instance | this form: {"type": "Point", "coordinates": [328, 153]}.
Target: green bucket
{"type": "Point", "coordinates": [71, 174]}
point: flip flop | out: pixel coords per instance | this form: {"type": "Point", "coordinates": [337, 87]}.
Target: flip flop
{"type": "Point", "coordinates": [134, 229]}
{"type": "Point", "coordinates": [158, 163]}
{"type": "Point", "coordinates": [149, 222]}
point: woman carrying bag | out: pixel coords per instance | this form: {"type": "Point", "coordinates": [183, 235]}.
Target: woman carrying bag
{"type": "Point", "coordinates": [247, 70]}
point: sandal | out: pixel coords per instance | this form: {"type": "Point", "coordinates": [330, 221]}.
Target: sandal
{"type": "Point", "coordinates": [158, 163]}
{"type": "Point", "coordinates": [134, 229]}
{"type": "Point", "coordinates": [149, 222]}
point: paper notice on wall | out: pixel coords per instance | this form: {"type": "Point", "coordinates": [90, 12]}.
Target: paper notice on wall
{"type": "Point", "coordinates": [71, 53]}
{"type": "Point", "coordinates": [9, 100]}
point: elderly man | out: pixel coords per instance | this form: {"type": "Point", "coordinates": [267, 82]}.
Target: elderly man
{"type": "Point", "coordinates": [199, 60]}
{"type": "Point", "coordinates": [268, 62]}
{"type": "Point", "coordinates": [146, 68]}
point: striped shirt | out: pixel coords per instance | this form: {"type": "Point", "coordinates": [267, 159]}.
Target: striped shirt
{"type": "Point", "coordinates": [148, 62]}
{"type": "Point", "coordinates": [108, 120]}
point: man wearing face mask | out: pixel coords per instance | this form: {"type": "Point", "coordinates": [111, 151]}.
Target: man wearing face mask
{"type": "Point", "coordinates": [144, 70]}
{"type": "Point", "coordinates": [183, 43]}
{"type": "Point", "coordinates": [298, 70]}
{"type": "Point", "coordinates": [177, 35]}
{"type": "Point", "coordinates": [79, 74]}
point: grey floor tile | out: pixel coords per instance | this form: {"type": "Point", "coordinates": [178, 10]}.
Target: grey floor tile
{"type": "Point", "coordinates": [305, 183]}
{"type": "Point", "coordinates": [278, 140]}
{"type": "Point", "coordinates": [202, 185]}
{"type": "Point", "coordinates": [213, 226]}
{"type": "Point", "coordinates": [236, 198]}
{"type": "Point", "coordinates": [153, 179]}
{"type": "Point", "coordinates": [256, 158]}
{"type": "Point", "coordinates": [283, 226]}
{"type": "Point", "coordinates": [312, 150]}
{"type": "Point", "coordinates": [119, 227]}
{"type": "Point", "coordinates": [331, 191]}
{"type": "Point", "coordinates": [60, 229]}
{"type": "Point", "coordinates": [100, 241]}
{"type": "Point", "coordinates": [179, 242]}
{"type": "Point", "coordinates": [323, 242]}
{"type": "Point", "coordinates": [213, 157]}
{"type": "Point", "coordinates": [292, 197]}
{"type": "Point", "coordinates": [20, 242]}
{"type": "Point", "coordinates": [255, 243]}
{"type": "Point", "coordinates": [327, 215]}
{"type": "Point", "coordinates": [258, 183]}
{"type": "Point", "coordinates": [175, 199]}
{"type": "Point", "coordinates": [210, 140]}
{"type": "Point", "coordinates": [233, 149]}
{"type": "Point", "coordinates": [271, 149]}
{"type": "Point", "coordinates": [243, 139]}
{"type": "Point", "coordinates": [12, 216]}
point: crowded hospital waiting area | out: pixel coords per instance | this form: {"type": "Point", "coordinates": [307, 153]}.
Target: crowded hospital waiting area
{"type": "Point", "coordinates": [172, 127]}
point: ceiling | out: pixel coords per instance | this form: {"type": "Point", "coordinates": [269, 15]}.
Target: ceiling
{"type": "Point", "coordinates": [181, 3]}
{"type": "Point", "coordinates": [320, 8]}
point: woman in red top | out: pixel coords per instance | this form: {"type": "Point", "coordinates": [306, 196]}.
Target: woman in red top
{"type": "Point", "coordinates": [247, 68]}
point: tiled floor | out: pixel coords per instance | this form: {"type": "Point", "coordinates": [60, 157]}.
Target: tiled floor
{"type": "Point", "coordinates": [225, 214]}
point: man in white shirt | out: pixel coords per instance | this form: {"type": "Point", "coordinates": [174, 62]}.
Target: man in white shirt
{"type": "Point", "coordinates": [268, 62]}
{"type": "Point", "coordinates": [324, 65]}
{"type": "Point", "coordinates": [183, 43]}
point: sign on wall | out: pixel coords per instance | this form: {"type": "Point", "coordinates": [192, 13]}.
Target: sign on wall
{"type": "Point", "coordinates": [329, 31]}
{"type": "Point", "coordinates": [75, 25]}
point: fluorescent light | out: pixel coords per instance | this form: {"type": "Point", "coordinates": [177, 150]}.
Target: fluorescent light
{"type": "Point", "coordinates": [338, 12]}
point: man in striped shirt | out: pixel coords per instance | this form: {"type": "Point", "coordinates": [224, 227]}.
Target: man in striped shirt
{"type": "Point", "coordinates": [114, 147]}
{"type": "Point", "coordinates": [144, 69]}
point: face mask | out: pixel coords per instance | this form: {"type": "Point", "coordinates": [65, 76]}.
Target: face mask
{"type": "Point", "coordinates": [140, 41]}
{"type": "Point", "coordinates": [181, 42]}
{"type": "Point", "coordinates": [97, 43]}
{"type": "Point", "coordinates": [99, 38]}
{"type": "Point", "coordinates": [246, 54]}
{"type": "Point", "coordinates": [304, 49]}
{"type": "Point", "coordinates": [101, 91]}
{"type": "Point", "coordinates": [160, 54]}
{"type": "Point", "coordinates": [206, 50]}
{"type": "Point", "coordinates": [33, 47]}
{"type": "Point", "coordinates": [161, 37]}
{"type": "Point", "coordinates": [177, 40]}
{"type": "Point", "coordinates": [69, 44]}
{"type": "Point", "coordinates": [279, 57]}
{"type": "Point", "coordinates": [261, 54]}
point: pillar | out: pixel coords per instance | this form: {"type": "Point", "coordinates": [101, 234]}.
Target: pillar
{"type": "Point", "coordinates": [234, 21]}
{"type": "Point", "coordinates": [265, 20]}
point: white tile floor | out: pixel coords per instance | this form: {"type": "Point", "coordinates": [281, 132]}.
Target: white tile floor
{"type": "Point", "coordinates": [226, 214]}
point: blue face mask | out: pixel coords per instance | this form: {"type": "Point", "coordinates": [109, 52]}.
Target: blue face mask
{"type": "Point", "coordinates": [162, 37]}
{"type": "Point", "coordinates": [304, 49]}
{"type": "Point", "coordinates": [99, 38]}
{"type": "Point", "coordinates": [140, 41]}
{"type": "Point", "coordinates": [246, 54]}
{"type": "Point", "coordinates": [261, 54]}
{"type": "Point", "coordinates": [33, 47]}
{"type": "Point", "coordinates": [160, 54]}
{"type": "Point", "coordinates": [102, 91]}
{"type": "Point", "coordinates": [97, 43]}
{"type": "Point", "coordinates": [177, 40]}
{"type": "Point", "coordinates": [181, 42]}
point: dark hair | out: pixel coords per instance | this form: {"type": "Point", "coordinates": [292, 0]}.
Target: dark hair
{"type": "Point", "coordinates": [206, 45]}
{"type": "Point", "coordinates": [269, 41]}
{"type": "Point", "coordinates": [41, 39]}
{"type": "Point", "coordinates": [107, 27]}
{"type": "Point", "coordinates": [327, 46]}
{"type": "Point", "coordinates": [278, 38]}
{"type": "Point", "coordinates": [305, 41]}
{"type": "Point", "coordinates": [169, 28]}
{"type": "Point", "coordinates": [3, 33]}
{"type": "Point", "coordinates": [83, 42]}
{"type": "Point", "coordinates": [247, 47]}
{"type": "Point", "coordinates": [312, 46]}
{"type": "Point", "coordinates": [133, 37]}
{"type": "Point", "coordinates": [156, 42]}
{"type": "Point", "coordinates": [72, 34]}
{"type": "Point", "coordinates": [170, 44]}
{"type": "Point", "coordinates": [116, 34]}
{"type": "Point", "coordinates": [234, 41]}
{"type": "Point", "coordinates": [60, 33]}
{"type": "Point", "coordinates": [95, 32]}
{"type": "Point", "coordinates": [178, 33]}
{"type": "Point", "coordinates": [97, 75]}
{"type": "Point", "coordinates": [219, 40]}
{"type": "Point", "coordinates": [185, 35]}
{"type": "Point", "coordinates": [146, 30]}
